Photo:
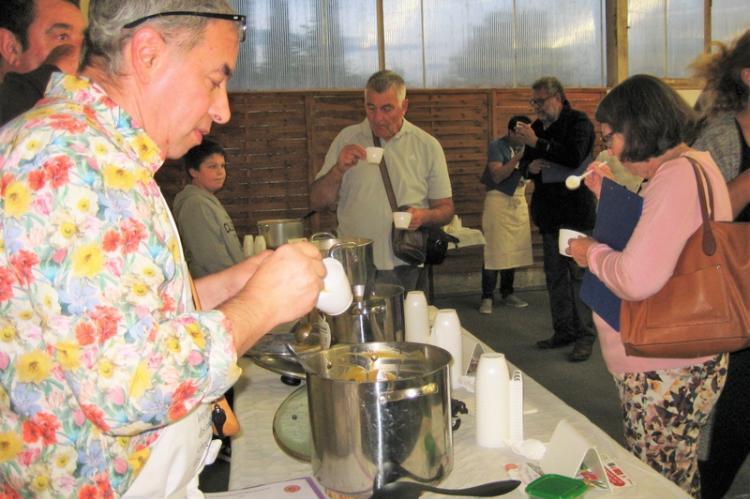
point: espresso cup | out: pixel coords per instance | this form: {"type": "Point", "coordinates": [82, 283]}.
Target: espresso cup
{"type": "Point", "coordinates": [564, 238]}
{"type": "Point", "coordinates": [336, 296]}
{"type": "Point", "coordinates": [401, 219]}
{"type": "Point", "coordinates": [374, 154]}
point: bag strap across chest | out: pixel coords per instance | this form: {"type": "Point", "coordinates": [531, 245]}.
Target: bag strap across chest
{"type": "Point", "coordinates": [386, 177]}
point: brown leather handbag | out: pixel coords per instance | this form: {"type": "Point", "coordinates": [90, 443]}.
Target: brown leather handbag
{"type": "Point", "coordinates": [223, 420]}
{"type": "Point", "coordinates": [704, 308]}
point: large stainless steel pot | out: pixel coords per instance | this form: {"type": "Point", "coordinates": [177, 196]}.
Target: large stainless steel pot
{"type": "Point", "coordinates": [375, 317]}
{"type": "Point", "coordinates": [280, 230]}
{"type": "Point", "coordinates": [376, 407]}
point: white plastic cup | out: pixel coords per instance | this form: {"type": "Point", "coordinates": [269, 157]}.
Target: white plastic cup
{"type": "Point", "coordinates": [401, 219]}
{"type": "Point", "coordinates": [259, 245]}
{"type": "Point", "coordinates": [563, 240]}
{"type": "Point", "coordinates": [446, 334]}
{"type": "Point", "coordinates": [248, 248]}
{"type": "Point", "coordinates": [374, 154]}
{"type": "Point", "coordinates": [336, 296]}
{"type": "Point", "coordinates": [492, 394]}
{"type": "Point", "coordinates": [416, 318]}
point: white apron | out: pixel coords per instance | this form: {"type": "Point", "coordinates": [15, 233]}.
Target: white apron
{"type": "Point", "coordinates": [505, 223]}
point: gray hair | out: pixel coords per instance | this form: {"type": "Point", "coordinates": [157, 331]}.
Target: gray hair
{"type": "Point", "coordinates": [383, 80]}
{"type": "Point", "coordinates": [551, 84]}
{"type": "Point", "coordinates": [105, 36]}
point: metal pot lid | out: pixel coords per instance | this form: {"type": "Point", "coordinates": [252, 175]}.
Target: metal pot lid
{"type": "Point", "coordinates": [270, 352]}
{"type": "Point", "coordinates": [291, 425]}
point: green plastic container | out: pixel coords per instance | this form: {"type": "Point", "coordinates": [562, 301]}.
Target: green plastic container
{"type": "Point", "coordinates": [555, 487]}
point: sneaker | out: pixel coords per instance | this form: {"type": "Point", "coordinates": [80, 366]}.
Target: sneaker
{"type": "Point", "coordinates": [486, 306]}
{"type": "Point", "coordinates": [514, 301]}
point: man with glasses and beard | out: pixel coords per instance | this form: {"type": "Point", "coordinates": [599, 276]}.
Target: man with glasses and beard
{"type": "Point", "coordinates": [560, 137]}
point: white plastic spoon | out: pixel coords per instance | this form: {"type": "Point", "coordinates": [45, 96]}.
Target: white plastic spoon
{"type": "Point", "coordinates": [574, 181]}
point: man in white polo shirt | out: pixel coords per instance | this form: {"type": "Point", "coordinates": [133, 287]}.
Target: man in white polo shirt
{"type": "Point", "coordinates": [354, 188]}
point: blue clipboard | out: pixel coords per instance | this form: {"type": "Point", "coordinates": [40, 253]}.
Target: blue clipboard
{"type": "Point", "coordinates": [617, 216]}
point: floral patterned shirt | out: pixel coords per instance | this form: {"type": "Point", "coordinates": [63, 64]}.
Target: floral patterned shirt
{"type": "Point", "coordinates": [100, 345]}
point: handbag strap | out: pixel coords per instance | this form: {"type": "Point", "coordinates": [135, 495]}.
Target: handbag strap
{"type": "Point", "coordinates": [701, 178]}
{"type": "Point", "coordinates": [386, 177]}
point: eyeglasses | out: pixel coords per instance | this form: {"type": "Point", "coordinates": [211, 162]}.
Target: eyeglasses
{"type": "Point", "coordinates": [607, 138]}
{"type": "Point", "coordinates": [540, 101]}
{"type": "Point", "coordinates": [212, 15]}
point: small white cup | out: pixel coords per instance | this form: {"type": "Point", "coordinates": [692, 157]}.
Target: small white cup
{"type": "Point", "coordinates": [374, 154]}
{"type": "Point", "coordinates": [401, 219]}
{"type": "Point", "coordinates": [564, 238]}
{"type": "Point", "coordinates": [336, 296]}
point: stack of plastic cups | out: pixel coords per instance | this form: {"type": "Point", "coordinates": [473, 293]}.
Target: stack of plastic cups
{"type": "Point", "coordinates": [248, 248]}
{"type": "Point", "coordinates": [492, 392]}
{"type": "Point", "coordinates": [259, 245]}
{"type": "Point", "coordinates": [446, 334]}
{"type": "Point", "coordinates": [416, 318]}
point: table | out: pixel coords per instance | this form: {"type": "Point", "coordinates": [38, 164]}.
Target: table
{"type": "Point", "coordinates": [257, 459]}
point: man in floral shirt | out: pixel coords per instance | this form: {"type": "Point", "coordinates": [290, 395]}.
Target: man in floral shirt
{"type": "Point", "coordinates": [105, 366]}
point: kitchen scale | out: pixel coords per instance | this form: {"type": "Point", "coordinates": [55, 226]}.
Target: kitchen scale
{"type": "Point", "coordinates": [291, 425]}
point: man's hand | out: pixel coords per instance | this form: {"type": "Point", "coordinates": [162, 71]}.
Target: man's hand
{"type": "Point", "coordinates": [536, 166]}
{"type": "Point", "coordinates": [525, 134]}
{"type": "Point", "coordinates": [439, 213]}
{"type": "Point", "coordinates": [349, 156]}
{"type": "Point", "coordinates": [419, 217]}
{"type": "Point", "coordinates": [284, 287]}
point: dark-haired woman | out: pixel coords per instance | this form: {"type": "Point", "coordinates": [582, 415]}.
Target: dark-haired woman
{"type": "Point", "coordinates": [726, 135]}
{"type": "Point", "coordinates": [665, 401]}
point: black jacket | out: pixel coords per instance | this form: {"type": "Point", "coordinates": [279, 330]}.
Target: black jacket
{"type": "Point", "coordinates": [20, 91]}
{"type": "Point", "coordinates": [568, 142]}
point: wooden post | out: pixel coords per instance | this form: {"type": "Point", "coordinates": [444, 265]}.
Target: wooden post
{"type": "Point", "coordinates": [616, 14]}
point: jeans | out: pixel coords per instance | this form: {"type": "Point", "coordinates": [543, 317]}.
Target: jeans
{"type": "Point", "coordinates": [489, 281]}
{"type": "Point", "coordinates": [571, 318]}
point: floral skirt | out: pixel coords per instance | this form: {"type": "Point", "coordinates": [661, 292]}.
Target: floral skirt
{"type": "Point", "coordinates": [664, 412]}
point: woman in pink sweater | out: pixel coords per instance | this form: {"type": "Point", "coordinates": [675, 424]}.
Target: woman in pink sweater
{"type": "Point", "coordinates": [665, 401]}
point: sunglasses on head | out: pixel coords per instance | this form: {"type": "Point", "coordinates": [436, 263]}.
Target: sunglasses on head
{"type": "Point", "coordinates": [211, 15]}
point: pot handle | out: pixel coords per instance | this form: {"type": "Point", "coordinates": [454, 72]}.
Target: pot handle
{"type": "Point", "coordinates": [335, 247]}
{"type": "Point", "coordinates": [408, 393]}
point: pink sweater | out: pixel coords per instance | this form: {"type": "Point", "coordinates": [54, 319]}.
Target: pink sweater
{"type": "Point", "coordinates": [671, 213]}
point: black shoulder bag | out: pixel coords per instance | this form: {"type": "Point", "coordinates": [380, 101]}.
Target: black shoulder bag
{"type": "Point", "coordinates": [427, 244]}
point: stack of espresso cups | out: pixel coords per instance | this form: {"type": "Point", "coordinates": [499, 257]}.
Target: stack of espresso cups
{"type": "Point", "coordinates": [446, 331]}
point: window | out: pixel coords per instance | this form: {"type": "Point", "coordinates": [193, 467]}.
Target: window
{"type": "Point", "coordinates": [432, 43]}
{"type": "Point", "coordinates": [307, 44]}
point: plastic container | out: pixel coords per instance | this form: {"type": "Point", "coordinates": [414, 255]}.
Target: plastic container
{"type": "Point", "coordinates": [553, 486]}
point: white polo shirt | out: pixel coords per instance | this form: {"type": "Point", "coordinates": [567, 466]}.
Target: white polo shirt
{"type": "Point", "coordinates": [418, 171]}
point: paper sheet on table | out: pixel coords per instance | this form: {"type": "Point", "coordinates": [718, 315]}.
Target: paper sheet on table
{"type": "Point", "coordinates": [298, 488]}
{"type": "Point", "coordinates": [616, 217]}
{"type": "Point", "coordinates": [557, 173]}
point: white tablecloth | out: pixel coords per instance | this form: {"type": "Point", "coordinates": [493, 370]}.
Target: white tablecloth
{"type": "Point", "coordinates": [257, 459]}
